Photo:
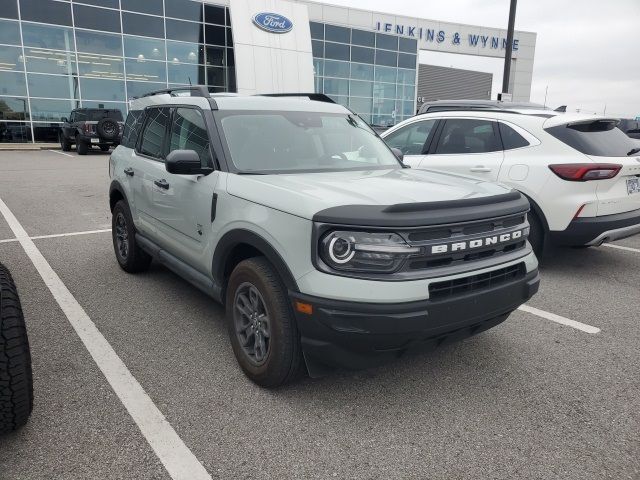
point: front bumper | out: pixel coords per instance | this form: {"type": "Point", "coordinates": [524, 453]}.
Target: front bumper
{"type": "Point", "coordinates": [594, 231]}
{"type": "Point", "coordinates": [342, 334]}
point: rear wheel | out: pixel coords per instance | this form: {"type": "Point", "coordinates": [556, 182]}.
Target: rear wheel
{"type": "Point", "coordinates": [16, 383]}
{"type": "Point", "coordinates": [130, 256]}
{"type": "Point", "coordinates": [261, 325]}
{"type": "Point", "coordinates": [536, 233]}
{"type": "Point", "coordinates": [82, 148]}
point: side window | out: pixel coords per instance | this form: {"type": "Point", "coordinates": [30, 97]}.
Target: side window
{"type": "Point", "coordinates": [410, 140]}
{"type": "Point", "coordinates": [461, 135]}
{"type": "Point", "coordinates": [510, 138]}
{"type": "Point", "coordinates": [72, 117]}
{"type": "Point", "coordinates": [189, 132]}
{"type": "Point", "coordinates": [131, 128]}
{"type": "Point", "coordinates": [154, 131]}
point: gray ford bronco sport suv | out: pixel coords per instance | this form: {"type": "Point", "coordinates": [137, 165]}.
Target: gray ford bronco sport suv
{"type": "Point", "coordinates": [89, 127]}
{"type": "Point", "coordinates": [327, 252]}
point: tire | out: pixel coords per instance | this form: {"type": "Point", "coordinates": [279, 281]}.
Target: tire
{"type": "Point", "coordinates": [65, 144]}
{"type": "Point", "coordinates": [104, 148]}
{"type": "Point", "coordinates": [107, 128]}
{"type": "Point", "coordinates": [130, 256]}
{"type": "Point", "coordinates": [282, 361]}
{"type": "Point", "coordinates": [82, 148]}
{"type": "Point", "coordinates": [536, 234]}
{"type": "Point", "coordinates": [16, 381]}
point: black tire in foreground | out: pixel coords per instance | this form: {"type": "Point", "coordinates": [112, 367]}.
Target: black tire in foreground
{"type": "Point", "coordinates": [82, 148]}
{"type": "Point", "coordinates": [65, 144]}
{"type": "Point", "coordinates": [262, 328]}
{"type": "Point", "coordinates": [16, 383]}
{"type": "Point", "coordinates": [130, 256]}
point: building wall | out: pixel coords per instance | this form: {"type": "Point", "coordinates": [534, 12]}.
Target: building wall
{"type": "Point", "coordinates": [439, 83]}
{"type": "Point", "coordinates": [269, 62]}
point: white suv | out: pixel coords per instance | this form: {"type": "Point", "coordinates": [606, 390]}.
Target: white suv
{"type": "Point", "coordinates": [580, 173]}
{"type": "Point", "coordinates": [326, 251]}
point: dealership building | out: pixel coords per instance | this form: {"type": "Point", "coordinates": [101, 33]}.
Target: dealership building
{"type": "Point", "coordinates": [56, 55]}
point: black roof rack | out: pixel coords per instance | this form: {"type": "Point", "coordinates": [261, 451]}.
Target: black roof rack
{"type": "Point", "coordinates": [317, 97]}
{"type": "Point", "coordinates": [196, 91]}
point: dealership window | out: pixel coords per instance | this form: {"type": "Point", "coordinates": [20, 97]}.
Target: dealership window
{"type": "Point", "coordinates": [51, 110]}
{"type": "Point", "coordinates": [9, 32]}
{"type": "Point", "coordinates": [46, 11]}
{"type": "Point", "coordinates": [15, 132]}
{"type": "Point", "coordinates": [76, 50]}
{"type": "Point", "coordinates": [9, 9]}
{"type": "Point", "coordinates": [13, 108]}
{"type": "Point", "coordinates": [153, 7]}
{"type": "Point", "coordinates": [387, 59]}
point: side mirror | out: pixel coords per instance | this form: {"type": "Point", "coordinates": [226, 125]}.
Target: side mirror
{"type": "Point", "coordinates": [185, 162]}
{"type": "Point", "coordinates": [398, 153]}
{"type": "Point", "coordinates": [65, 119]}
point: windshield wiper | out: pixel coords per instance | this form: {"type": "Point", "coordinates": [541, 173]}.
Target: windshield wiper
{"type": "Point", "coordinates": [633, 151]}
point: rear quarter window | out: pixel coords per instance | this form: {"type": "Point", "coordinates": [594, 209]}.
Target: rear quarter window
{"type": "Point", "coordinates": [510, 138]}
{"type": "Point", "coordinates": [132, 128]}
{"type": "Point", "coordinates": [597, 138]}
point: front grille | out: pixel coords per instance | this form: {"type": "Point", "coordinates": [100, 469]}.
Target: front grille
{"type": "Point", "coordinates": [474, 283]}
{"type": "Point", "coordinates": [465, 242]}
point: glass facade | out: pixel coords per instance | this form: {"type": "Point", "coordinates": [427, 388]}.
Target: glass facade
{"type": "Point", "coordinates": [372, 73]}
{"type": "Point", "coordinates": [56, 55]}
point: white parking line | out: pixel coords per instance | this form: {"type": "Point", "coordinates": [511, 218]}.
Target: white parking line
{"type": "Point", "coordinates": [620, 247]}
{"type": "Point", "coordinates": [61, 153]}
{"type": "Point", "coordinates": [180, 462]}
{"type": "Point", "coordinates": [71, 234]}
{"type": "Point", "coordinates": [8, 240]}
{"type": "Point", "coordinates": [558, 319]}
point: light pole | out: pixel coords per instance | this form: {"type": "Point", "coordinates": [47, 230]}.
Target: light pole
{"type": "Point", "coordinates": [509, 50]}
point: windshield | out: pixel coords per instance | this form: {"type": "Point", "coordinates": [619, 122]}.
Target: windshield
{"type": "Point", "coordinates": [288, 142]}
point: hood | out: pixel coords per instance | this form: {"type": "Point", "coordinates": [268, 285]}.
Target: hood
{"type": "Point", "coordinates": [306, 194]}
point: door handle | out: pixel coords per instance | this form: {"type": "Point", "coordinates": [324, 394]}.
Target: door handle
{"type": "Point", "coordinates": [162, 184]}
{"type": "Point", "coordinates": [128, 171]}
{"type": "Point", "coordinates": [480, 169]}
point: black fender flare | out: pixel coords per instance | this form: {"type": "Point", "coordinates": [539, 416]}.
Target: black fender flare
{"type": "Point", "coordinates": [232, 239]}
{"type": "Point", "coordinates": [116, 186]}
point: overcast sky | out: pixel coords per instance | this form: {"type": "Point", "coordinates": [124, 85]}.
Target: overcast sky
{"type": "Point", "coordinates": [587, 51]}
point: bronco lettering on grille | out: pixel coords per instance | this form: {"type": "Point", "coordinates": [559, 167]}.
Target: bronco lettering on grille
{"type": "Point", "coordinates": [476, 243]}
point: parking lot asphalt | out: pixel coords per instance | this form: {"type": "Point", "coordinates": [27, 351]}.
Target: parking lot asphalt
{"type": "Point", "coordinates": [531, 398]}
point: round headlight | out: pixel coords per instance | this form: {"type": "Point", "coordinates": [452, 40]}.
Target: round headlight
{"type": "Point", "coordinates": [341, 250]}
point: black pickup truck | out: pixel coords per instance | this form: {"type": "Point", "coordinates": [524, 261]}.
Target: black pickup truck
{"type": "Point", "coordinates": [87, 127]}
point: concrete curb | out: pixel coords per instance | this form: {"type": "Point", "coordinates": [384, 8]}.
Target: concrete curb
{"type": "Point", "coordinates": [26, 147]}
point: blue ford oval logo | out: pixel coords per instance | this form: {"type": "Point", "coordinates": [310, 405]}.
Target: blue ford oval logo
{"type": "Point", "coordinates": [272, 22]}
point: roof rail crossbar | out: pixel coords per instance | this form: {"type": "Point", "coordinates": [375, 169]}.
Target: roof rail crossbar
{"type": "Point", "coordinates": [317, 97]}
{"type": "Point", "coordinates": [196, 91]}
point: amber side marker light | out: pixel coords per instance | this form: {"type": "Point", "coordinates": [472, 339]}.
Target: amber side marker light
{"type": "Point", "coordinates": [305, 308]}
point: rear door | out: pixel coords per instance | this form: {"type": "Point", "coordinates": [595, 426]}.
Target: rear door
{"type": "Point", "coordinates": [468, 146]}
{"type": "Point", "coordinates": [148, 166]}
{"type": "Point", "coordinates": [412, 140]}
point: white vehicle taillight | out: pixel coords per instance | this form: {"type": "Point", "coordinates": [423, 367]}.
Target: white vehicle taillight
{"type": "Point", "coordinates": [581, 172]}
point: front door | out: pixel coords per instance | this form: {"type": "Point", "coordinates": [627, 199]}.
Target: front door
{"type": "Point", "coordinates": [183, 204]}
{"type": "Point", "coordinates": [468, 146]}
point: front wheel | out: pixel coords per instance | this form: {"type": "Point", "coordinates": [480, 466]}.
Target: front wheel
{"type": "Point", "coordinates": [16, 384]}
{"type": "Point", "coordinates": [261, 325]}
{"type": "Point", "coordinates": [65, 144]}
{"type": "Point", "coordinates": [130, 256]}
